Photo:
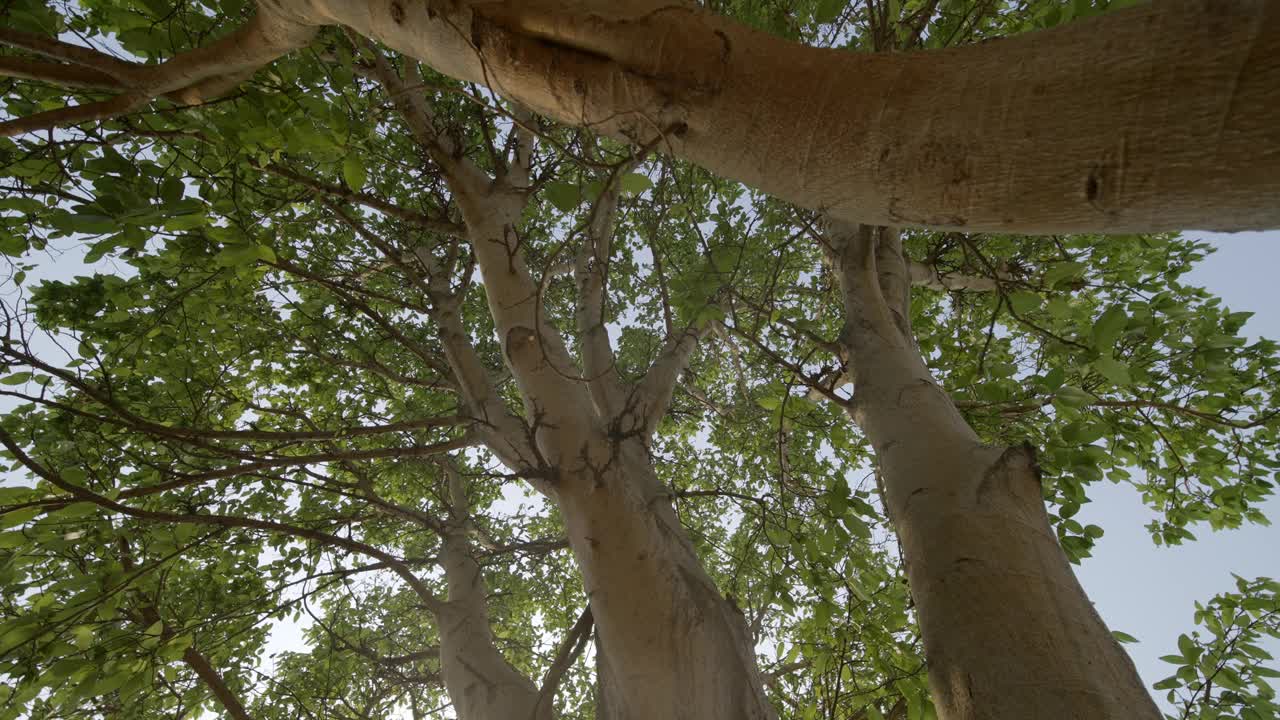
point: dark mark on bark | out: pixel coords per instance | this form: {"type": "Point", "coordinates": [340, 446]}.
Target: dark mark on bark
{"type": "Point", "coordinates": [1093, 187]}
{"type": "Point", "coordinates": [519, 338]}
{"type": "Point", "coordinates": [1006, 463]}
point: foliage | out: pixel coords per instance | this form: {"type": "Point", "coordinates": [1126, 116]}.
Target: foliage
{"type": "Point", "coordinates": [1222, 674]}
{"type": "Point", "coordinates": [249, 364]}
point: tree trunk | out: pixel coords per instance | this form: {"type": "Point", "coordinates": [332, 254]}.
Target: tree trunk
{"type": "Point", "coordinates": [1008, 631]}
{"type": "Point", "coordinates": [1157, 117]}
{"type": "Point", "coordinates": [671, 645]}
{"type": "Point", "coordinates": [478, 678]}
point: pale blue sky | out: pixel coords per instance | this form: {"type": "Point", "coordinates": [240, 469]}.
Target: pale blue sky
{"type": "Point", "coordinates": [1138, 588]}
{"type": "Point", "coordinates": [1149, 591]}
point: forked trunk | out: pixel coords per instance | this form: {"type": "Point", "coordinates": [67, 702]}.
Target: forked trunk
{"type": "Point", "coordinates": [1008, 631]}
{"type": "Point", "coordinates": [480, 682]}
{"type": "Point", "coordinates": [672, 645]}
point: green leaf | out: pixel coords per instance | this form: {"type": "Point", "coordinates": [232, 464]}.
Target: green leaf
{"type": "Point", "coordinates": [1190, 651]}
{"type": "Point", "coordinates": [829, 10]}
{"type": "Point", "coordinates": [1107, 328]}
{"type": "Point", "coordinates": [1064, 272]}
{"type": "Point", "coordinates": [87, 224]}
{"type": "Point", "coordinates": [246, 255]}
{"type": "Point", "coordinates": [634, 183]}
{"type": "Point", "coordinates": [1123, 637]}
{"type": "Point", "coordinates": [175, 648]}
{"type": "Point", "coordinates": [354, 171]}
{"type": "Point", "coordinates": [18, 517]}
{"type": "Point", "coordinates": [1113, 370]}
{"type": "Point", "coordinates": [1023, 301]}
{"type": "Point", "coordinates": [1072, 396]}
{"type": "Point", "coordinates": [15, 379]}
{"type": "Point", "coordinates": [563, 196]}
{"type": "Point", "coordinates": [171, 191]}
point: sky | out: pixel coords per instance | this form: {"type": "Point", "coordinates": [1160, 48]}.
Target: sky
{"type": "Point", "coordinates": [1137, 587]}
{"type": "Point", "coordinates": [1148, 591]}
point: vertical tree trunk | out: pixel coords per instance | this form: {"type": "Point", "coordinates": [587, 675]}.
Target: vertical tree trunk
{"type": "Point", "coordinates": [479, 680]}
{"type": "Point", "coordinates": [671, 646]}
{"type": "Point", "coordinates": [1008, 631]}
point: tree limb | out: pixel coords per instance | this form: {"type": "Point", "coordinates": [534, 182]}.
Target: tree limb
{"type": "Point", "coordinates": [83, 494]}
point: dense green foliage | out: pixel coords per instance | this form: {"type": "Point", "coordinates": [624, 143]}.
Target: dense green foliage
{"type": "Point", "coordinates": [248, 362]}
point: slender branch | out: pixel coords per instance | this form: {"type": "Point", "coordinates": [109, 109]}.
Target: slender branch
{"type": "Point", "coordinates": [190, 77]}
{"type": "Point", "coordinates": [651, 397]}
{"type": "Point", "coordinates": [413, 217]}
{"type": "Point", "coordinates": [570, 648]}
{"type": "Point", "coordinates": [72, 76]}
{"type": "Point", "coordinates": [83, 494]}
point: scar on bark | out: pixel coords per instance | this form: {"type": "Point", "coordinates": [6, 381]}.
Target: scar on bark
{"type": "Point", "coordinates": [519, 338]}
{"type": "Point", "coordinates": [1005, 464]}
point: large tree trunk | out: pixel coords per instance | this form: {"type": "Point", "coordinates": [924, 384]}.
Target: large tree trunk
{"type": "Point", "coordinates": [1008, 631]}
{"type": "Point", "coordinates": [672, 646]}
{"type": "Point", "coordinates": [1158, 117]}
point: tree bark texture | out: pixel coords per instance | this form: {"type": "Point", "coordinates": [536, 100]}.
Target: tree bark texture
{"type": "Point", "coordinates": [1157, 117]}
{"type": "Point", "coordinates": [479, 680]}
{"type": "Point", "coordinates": [1008, 631]}
{"type": "Point", "coordinates": [673, 646]}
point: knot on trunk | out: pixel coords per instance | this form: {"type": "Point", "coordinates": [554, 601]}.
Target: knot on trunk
{"type": "Point", "coordinates": [521, 342]}
{"type": "Point", "coordinates": [1015, 476]}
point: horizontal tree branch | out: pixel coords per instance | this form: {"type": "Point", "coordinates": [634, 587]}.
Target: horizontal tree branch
{"type": "Point", "coordinates": [83, 494]}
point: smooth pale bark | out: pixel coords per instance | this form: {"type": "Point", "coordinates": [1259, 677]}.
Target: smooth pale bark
{"type": "Point", "coordinates": [672, 646]}
{"type": "Point", "coordinates": [479, 680]}
{"type": "Point", "coordinates": [1157, 117]}
{"type": "Point", "coordinates": [1008, 631]}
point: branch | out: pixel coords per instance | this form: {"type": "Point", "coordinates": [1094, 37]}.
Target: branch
{"type": "Point", "coordinates": [190, 77]}
{"type": "Point", "coordinates": [413, 217]}
{"type": "Point", "coordinates": [71, 76]}
{"type": "Point", "coordinates": [83, 494]}
{"type": "Point", "coordinates": [599, 364]}
{"type": "Point", "coordinates": [216, 684]}
{"type": "Point", "coordinates": [504, 433]}
{"type": "Point", "coordinates": [932, 277]}
{"type": "Point", "coordinates": [651, 397]}
{"type": "Point", "coordinates": [570, 648]}
{"type": "Point", "coordinates": [534, 350]}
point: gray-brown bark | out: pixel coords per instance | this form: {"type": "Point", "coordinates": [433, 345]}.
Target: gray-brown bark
{"type": "Point", "coordinates": [1008, 631]}
{"type": "Point", "coordinates": [1157, 117]}
{"type": "Point", "coordinates": [675, 647]}
{"type": "Point", "coordinates": [213, 680]}
{"type": "Point", "coordinates": [479, 680]}
{"type": "Point", "coordinates": [1004, 136]}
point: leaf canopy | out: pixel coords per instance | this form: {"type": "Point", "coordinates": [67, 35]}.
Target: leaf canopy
{"type": "Point", "coordinates": [250, 340]}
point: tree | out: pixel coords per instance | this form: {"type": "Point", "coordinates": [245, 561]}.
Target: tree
{"type": "Point", "coordinates": [346, 310]}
